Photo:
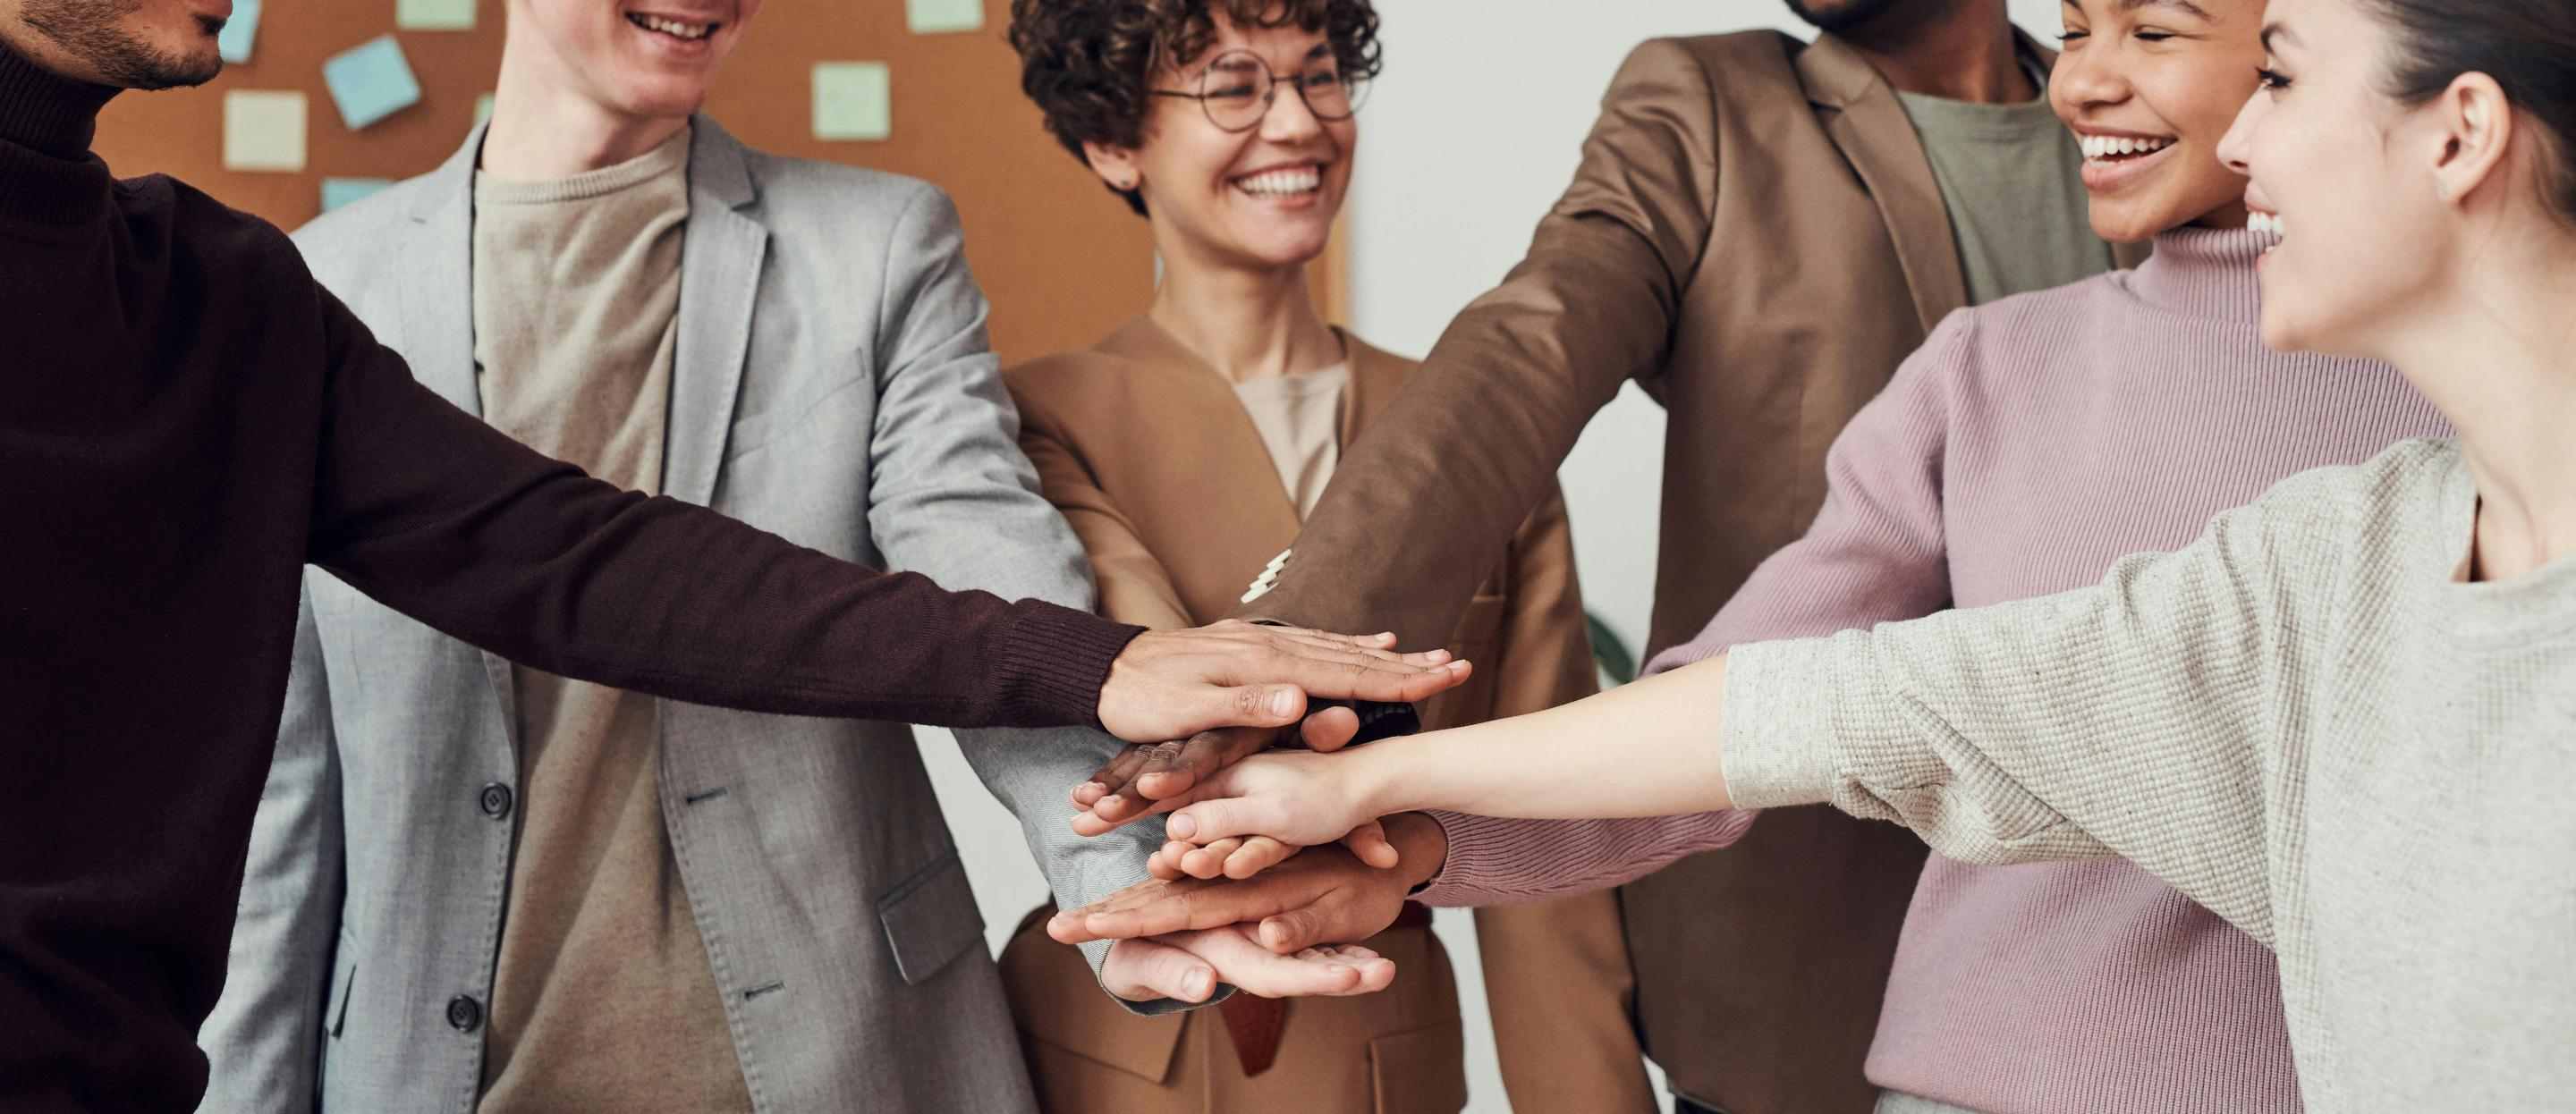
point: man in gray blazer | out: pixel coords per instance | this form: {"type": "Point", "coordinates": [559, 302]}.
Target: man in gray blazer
{"type": "Point", "coordinates": [473, 886]}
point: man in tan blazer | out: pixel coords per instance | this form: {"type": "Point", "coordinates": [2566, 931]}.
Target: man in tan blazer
{"type": "Point", "coordinates": [1758, 234]}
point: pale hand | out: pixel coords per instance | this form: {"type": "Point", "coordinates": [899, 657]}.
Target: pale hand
{"type": "Point", "coordinates": [1187, 965]}
{"type": "Point", "coordinates": [1170, 685]}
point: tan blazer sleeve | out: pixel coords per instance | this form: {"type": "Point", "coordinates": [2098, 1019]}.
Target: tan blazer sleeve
{"type": "Point", "coordinates": [1470, 446]}
{"type": "Point", "coordinates": [1134, 587]}
{"type": "Point", "coordinates": [1557, 976]}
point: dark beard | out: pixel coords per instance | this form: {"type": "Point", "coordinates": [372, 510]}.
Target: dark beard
{"type": "Point", "coordinates": [1842, 17]}
{"type": "Point", "coordinates": [87, 30]}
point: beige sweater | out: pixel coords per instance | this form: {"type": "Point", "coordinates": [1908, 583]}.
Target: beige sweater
{"type": "Point", "coordinates": [2306, 721]}
{"type": "Point", "coordinates": [603, 998]}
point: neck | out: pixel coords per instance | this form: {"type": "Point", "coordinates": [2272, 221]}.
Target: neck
{"type": "Point", "coordinates": [2495, 359]}
{"type": "Point", "coordinates": [1961, 50]}
{"type": "Point", "coordinates": [1247, 324]}
{"type": "Point", "coordinates": [544, 129]}
{"type": "Point", "coordinates": [40, 109]}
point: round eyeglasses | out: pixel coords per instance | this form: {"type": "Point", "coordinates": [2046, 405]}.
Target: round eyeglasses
{"type": "Point", "coordinates": [1237, 89]}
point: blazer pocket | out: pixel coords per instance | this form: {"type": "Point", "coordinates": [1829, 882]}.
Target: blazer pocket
{"type": "Point", "coordinates": [344, 975]}
{"type": "Point", "coordinates": [930, 919]}
{"type": "Point", "coordinates": [1420, 1071]}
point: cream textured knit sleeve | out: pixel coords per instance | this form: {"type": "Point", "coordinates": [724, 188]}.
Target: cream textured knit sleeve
{"type": "Point", "coordinates": [2157, 715]}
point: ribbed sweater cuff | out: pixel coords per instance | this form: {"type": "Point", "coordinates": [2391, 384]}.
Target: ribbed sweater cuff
{"type": "Point", "coordinates": [1053, 662]}
{"type": "Point", "coordinates": [1778, 736]}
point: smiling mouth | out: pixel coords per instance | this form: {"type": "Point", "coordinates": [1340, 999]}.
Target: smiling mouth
{"type": "Point", "coordinates": [1295, 181]}
{"type": "Point", "coordinates": [2112, 150]}
{"type": "Point", "coordinates": [2256, 220]}
{"type": "Point", "coordinates": [677, 29]}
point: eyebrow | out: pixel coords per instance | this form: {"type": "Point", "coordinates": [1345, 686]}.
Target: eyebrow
{"type": "Point", "coordinates": [2274, 32]}
{"type": "Point", "coordinates": [2187, 7]}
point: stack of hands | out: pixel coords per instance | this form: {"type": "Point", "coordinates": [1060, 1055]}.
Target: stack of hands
{"type": "Point", "coordinates": [1275, 862]}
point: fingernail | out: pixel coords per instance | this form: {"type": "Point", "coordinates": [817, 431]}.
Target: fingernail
{"type": "Point", "coordinates": [1200, 983]}
{"type": "Point", "coordinates": [1111, 801]}
{"type": "Point", "coordinates": [1182, 826]}
{"type": "Point", "coordinates": [1283, 703]}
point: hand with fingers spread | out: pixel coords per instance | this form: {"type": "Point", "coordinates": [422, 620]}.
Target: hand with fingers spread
{"type": "Point", "coordinates": [1186, 966]}
{"type": "Point", "coordinates": [1321, 896]}
{"type": "Point", "coordinates": [1176, 684]}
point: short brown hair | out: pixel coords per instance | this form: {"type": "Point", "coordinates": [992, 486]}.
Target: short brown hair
{"type": "Point", "coordinates": [1090, 63]}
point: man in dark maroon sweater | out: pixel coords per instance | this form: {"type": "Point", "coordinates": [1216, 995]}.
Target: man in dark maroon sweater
{"type": "Point", "coordinates": [190, 418]}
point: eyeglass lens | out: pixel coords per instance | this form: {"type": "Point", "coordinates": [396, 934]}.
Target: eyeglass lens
{"type": "Point", "coordinates": [1236, 90]}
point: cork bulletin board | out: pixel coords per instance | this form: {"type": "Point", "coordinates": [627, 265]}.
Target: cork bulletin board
{"type": "Point", "coordinates": [1062, 261]}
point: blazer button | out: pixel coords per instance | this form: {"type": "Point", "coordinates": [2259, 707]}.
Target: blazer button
{"type": "Point", "coordinates": [495, 800]}
{"type": "Point", "coordinates": [464, 1014]}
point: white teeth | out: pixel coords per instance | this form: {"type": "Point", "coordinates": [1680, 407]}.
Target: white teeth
{"type": "Point", "coordinates": [2266, 222]}
{"type": "Point", "coordinates": [2113, 146]}
{"type": "Point", "coordinates": [1279, 183]}
{"type": "Point", "coordinates": [671, 27]}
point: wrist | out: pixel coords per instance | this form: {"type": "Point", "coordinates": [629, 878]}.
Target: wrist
{"type": "Point", "coordinates": [1421, 847]}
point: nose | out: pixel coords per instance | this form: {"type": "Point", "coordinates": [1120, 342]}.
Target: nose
{"type": "Point", "coordinates": [2086, 79]}
{"type": "Point", "coordinates": [1288, 120]}
{"type": "Point", "coordinates": [2235, 149]}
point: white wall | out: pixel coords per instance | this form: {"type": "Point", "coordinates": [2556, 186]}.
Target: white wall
{"type": "Point", "coordinates": [1471, 133]}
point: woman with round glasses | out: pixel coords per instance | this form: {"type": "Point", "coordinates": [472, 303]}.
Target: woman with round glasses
{"type": "Point", "coordinates": [1185, 450]}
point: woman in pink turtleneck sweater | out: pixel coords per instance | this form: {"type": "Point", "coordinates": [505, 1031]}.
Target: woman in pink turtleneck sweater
{"type": "Point", "coordinates": [2031, 443]}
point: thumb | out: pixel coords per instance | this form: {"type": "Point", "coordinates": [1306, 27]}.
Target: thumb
{"type": "Point", "coordinates": [1255, 706]}
{"type": "Point", "coordinates": [1293, 931]}
{"type": "Point", "coordinates": [1142, 970]}
{"type": "Point", "coordinates": [1208, 821]}
{"type": "Point", "coordinates": [1330, 730]}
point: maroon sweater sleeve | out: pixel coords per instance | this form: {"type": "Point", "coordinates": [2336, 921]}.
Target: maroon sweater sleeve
{"type": "Point", "coordinates": [438, 516]}
{"type": "Point", "coordinates": [1876, 553]}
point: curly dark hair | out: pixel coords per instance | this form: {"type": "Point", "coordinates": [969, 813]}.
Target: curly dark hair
{"type": "Point", "coordinates": [1089, 63]}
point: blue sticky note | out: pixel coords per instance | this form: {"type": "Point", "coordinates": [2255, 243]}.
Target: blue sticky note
{"type": "Point", "coordinates": [239, 32]}
{"type": "Point", "coordinates": [371, 81]}
{"type": "Point", "coordinates": [337, 192]}
{"type": "Point", "coordinates": [853, 100]}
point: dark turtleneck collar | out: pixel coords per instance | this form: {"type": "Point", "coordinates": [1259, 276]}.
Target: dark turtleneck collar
{"type": "Point", "coordinates": [50, 184]}
{"type": "Point", "coordinates": [46, 112]}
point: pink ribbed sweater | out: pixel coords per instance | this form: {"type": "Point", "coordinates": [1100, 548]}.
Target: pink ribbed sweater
{"type": "Point", "coordinates": [2030, 443]}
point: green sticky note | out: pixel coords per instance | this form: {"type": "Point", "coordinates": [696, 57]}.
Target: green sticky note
{"type": "Point", "coordinates": [240, 32]}
{"type": "Point", "coordinates": [936, 16]}
{"type": "Point", "coordinates": [434, 15]}
{"type": "Point", "coordinates": [337, 192]}
{"type": "Point", "coordinates": [853, 100]}
{"type": "Point", "coordinates": [370, 81]}
{"type": "Point", "coordinates": [264, 130]}
{"type": "Point", "coordinates": [482, 108]}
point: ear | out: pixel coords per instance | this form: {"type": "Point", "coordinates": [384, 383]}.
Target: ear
{"type": "Point", "coordinates": [1115, 165]}
{"type": "Point", "coordinates": [2474, 125]}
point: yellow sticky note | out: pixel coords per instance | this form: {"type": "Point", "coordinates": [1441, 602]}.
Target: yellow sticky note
{"type": "Point", "coordinates": [434, 15]}
{"type": "Point", "coordinates": [935, 16]}
{"type": "Point", "coordinates": [482, 108]}
{"type": "Point", "coordinates": [264, 130]}
{"type": "Point", "coordinates": [853, 100]}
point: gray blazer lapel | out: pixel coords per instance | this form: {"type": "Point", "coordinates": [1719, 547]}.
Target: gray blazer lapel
{"type": "Point", "coordinates": [438, 328]}
{"type": "Point", "coordinates": [720, 259]}
{"type": "Point", "coordinates": [438, 281]}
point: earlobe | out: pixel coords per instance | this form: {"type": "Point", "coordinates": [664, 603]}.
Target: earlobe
{"type": "Point", "coordinates": [1115, 165]}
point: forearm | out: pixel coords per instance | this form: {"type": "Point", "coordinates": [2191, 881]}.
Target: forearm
{"type": "Point", "coordinates": [437, 515]}
{"type": "Point", "coordinates": [1646, 749]}
{"type": "Point", "coordinates": [1494, 861]}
